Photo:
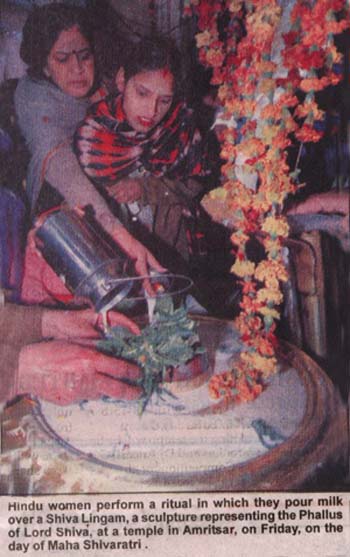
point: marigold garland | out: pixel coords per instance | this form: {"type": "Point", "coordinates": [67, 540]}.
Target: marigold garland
{"type": "Point", "coordinates": [260, 111]}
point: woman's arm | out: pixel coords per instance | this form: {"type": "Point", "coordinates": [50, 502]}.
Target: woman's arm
{"type": "Point", "coordinates": [63, 172]}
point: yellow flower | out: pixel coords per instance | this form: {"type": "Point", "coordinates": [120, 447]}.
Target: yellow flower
{"type": "Point", "coordinates": [243, 268]}
{"type": "Point", "coordinates": [272, 246]}
{"type": "Point", "coordinates": [239, 238]}
{"type": "Point", "coordinates": [269, 312]}
{"type": "Point", "coordinates": [276, 226]}
{"type": "Point", "coordinates": [275, 196]}
{"type": "Point", "coordinates": [218, 193]}
{"type": "Point", "coordinates": [267, 366]}
{"type": "Point", "coordinates": [269, 295]}
{"type": "Point", "coordinates": [240, 196]}
{"type": "Point", "coordinates": [270, 272]}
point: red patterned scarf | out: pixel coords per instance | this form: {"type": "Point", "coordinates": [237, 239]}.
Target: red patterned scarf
{"type": "Point", "coordinates": [108, 149]}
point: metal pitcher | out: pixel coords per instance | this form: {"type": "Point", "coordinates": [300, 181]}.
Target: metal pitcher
{"type": "Point", "coordinates": [89, 267]}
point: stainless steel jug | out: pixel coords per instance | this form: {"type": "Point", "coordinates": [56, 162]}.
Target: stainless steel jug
{"type": "Point", "coordinates": [89, 267]}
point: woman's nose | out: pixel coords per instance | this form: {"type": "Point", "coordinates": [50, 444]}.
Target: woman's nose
{"type": "Point", "coordinates": [77, 63]}
{"type": "Point", "coordinates": [151, 108]}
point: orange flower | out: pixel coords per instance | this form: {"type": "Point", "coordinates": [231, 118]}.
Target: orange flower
{"type": "Point", "coordinates": [334, 27]}
{"type": "Point", "coordinates": [271, 272]}
{"type": "Point", "coordinates": [271, 112]}
{"type": "Point", "coordinates": [264, 32]}
{"type": "Point", "coordinates": [228, 152]}
{"type": "Point", "coordinates": [308, 133]}
{"type": "Point", "coordinates": [250, 305]}
{"type": "Point", "coordinates": [247, 390]}
{"type": "Point", "coordinates": [265, 66]}
{"type": "Point", "coordinates": [248, 325]}
{"type": "Point", "coordinates": [248, 287]}
{"type": "Point", "coordinates": [236, 386]}
{"type": "Point", "coordinates": [287, 100]}
{"type": "Point", "coordinates": [282, 140]}
{"type": "Point", "coordinates": [313, 84]}
{"type": "Point", "coordinates": [222, 385]}
{"type": "Point", "coordinates": [315, 35]}
{"type": "Point", "coordinates": [215, 57]}
{"type": "Point", "coordinates": [309, 108]}
{"type": "Point", "coordinates": [334, 78]}
{"type": "Point", "coordinates": [334, 54]}
{"type": "Point", "coordinates": [265, 347]}
{"type": "Point", "coordinates": [239, 238]}
{"type": "Point", "coordinates": [252, 147]}
{"type": "Point", "coordinates": [241, 197]}
{"type": "Point", "coordinates": [204, 39]}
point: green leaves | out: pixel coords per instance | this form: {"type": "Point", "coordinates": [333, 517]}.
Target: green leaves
{"type": "Point", "coordinates": [169, 341]}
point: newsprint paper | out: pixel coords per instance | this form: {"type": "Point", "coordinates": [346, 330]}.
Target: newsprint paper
{"type": "Point", "coordinates": [284, 525]}
{"type": "Point", "coordinates": [189, 475]}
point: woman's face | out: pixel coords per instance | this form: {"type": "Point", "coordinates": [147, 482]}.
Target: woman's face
{"type": "Point", "coordinates": [147, 97]}
{"type": "Point", "coordinates": [70, 64]}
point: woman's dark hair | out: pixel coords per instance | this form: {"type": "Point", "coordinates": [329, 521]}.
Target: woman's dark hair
{"type": "Point", "coordinates": [42, 29]}
{"type": "Point", "coordinates": [151, 54]}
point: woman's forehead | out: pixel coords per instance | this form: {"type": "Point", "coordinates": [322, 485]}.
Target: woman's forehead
{"type": "Point", "coordinates": [160, 81]}
{"type": "Point", "coordinates": [70, 39]}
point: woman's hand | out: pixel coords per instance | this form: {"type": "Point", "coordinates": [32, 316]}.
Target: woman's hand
{"type": "Point", "coordinates": [63, 373]}
{"type": "Point", "coordinates": [142, 257]}
{"type": "Point", "coordinates": [126, 190]}
{"type": "Point", "coordinates": [86, 323]}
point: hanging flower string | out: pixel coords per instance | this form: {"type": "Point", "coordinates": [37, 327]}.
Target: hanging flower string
{"type": "Point", "coordinates": [259, 114]}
